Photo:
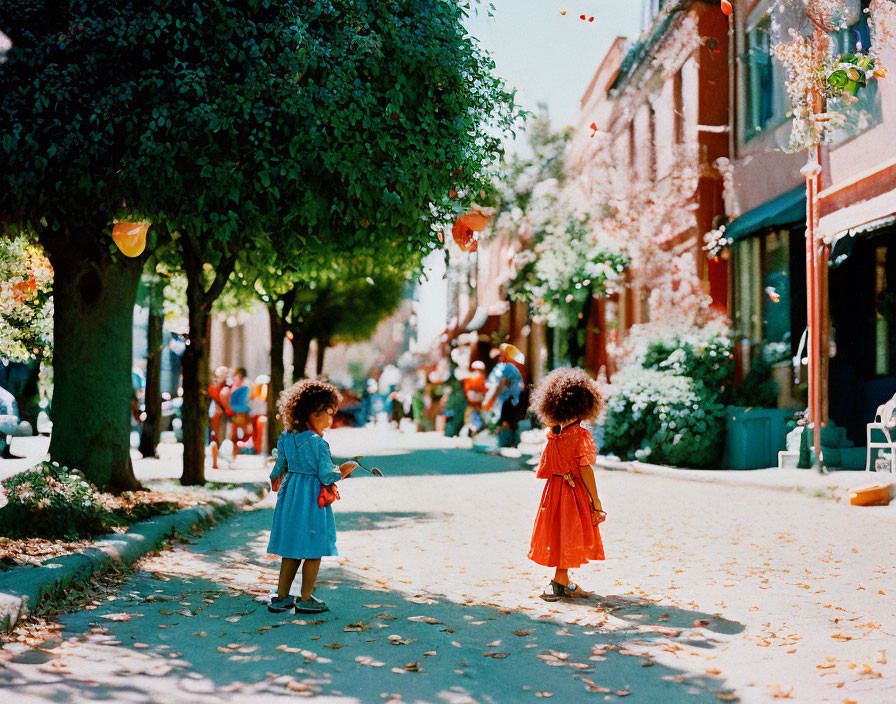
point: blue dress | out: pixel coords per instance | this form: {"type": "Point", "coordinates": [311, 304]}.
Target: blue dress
{"type": "Point", "coordinates": [302, 529]}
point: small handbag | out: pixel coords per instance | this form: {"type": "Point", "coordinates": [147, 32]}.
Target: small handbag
{"type": "Point", "coordinates": [328, 494]}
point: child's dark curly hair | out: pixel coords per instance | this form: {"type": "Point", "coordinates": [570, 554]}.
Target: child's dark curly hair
{"type": "Point", "coordinates": [565, 396]}
{"type": "Point", "coordinates": [308, 396]}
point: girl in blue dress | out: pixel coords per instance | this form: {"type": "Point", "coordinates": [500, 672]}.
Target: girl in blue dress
{"type": "Point", "coordinates": [304, 532]}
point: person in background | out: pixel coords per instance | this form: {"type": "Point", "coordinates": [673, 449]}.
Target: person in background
{"type": "Point", "coordinates": [505, 386]}
{"type": "Point", "coordinates": [218, 410]}
{"type": "Point", "coordinates": [240, 422]}
{"type": "Point", "coordinates": [258, 412]}
{"type": "Point", "coordinates": [474, 391]}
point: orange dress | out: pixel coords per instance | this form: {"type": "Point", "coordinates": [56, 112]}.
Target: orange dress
{"type": "Point", "coordinates": [564, 535]}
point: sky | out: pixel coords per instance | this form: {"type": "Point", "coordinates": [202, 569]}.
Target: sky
{"type": "Point", "coordinates": [548, 57]}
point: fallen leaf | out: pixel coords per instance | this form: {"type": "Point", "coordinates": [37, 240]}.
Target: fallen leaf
{"type": "Point", "coordinates": [288, 649]}
{"type": "Point", "coordinates": [367, 660]}
{"type": "Point", "coordinates": [522, 633]}
{"type": "Point", "coordinates": [497, 656]}
{"type": "Point", "coordinates": [117, 617]}
{"type": "Point", "coordinates": [413, 667]}
{"type": "Point", "coordinates": [334, 646]}
{"type": "Point", "coordinates": [701, 623]}
{"type": "Point", "coordinates": [298, 686]}
{"type": "Point", "coordinates": [430, 652]}
{"type": "Point", "coordinates": [356, 627]}
{"type": "Point", "coordinates": [423, 619]}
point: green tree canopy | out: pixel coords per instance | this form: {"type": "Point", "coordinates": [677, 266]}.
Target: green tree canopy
{"type": "Point", "coordinates": [329, 124]}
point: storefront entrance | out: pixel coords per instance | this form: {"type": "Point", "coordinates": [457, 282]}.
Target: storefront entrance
{"type": "Point", "coordinates": [863, 319]}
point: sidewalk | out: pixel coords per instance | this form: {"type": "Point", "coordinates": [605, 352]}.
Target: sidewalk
{"type": "Point", "coordinates": [834, 485]}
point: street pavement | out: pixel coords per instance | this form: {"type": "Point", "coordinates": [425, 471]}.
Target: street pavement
{"type": "Point", "coordinates": [710, 592]}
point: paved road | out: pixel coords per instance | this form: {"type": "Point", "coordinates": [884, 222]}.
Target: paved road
{"type": "Point", "coordinates": [710, 593]}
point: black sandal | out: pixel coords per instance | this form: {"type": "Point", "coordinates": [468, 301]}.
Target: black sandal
{"type": "Point", "coordinates": [569, 591]}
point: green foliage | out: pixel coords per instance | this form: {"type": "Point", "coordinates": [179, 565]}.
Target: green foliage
{"type": "Point", "coordinates": [563, 270]}
{"type": "Point", "coordinates": [758, 389]}
{"type": "Point", "coordinates": [669, 408]}
{"type": "Point", "coordinates": [340, 122]}
{"type": "Point", "coordinates": [50, 501]}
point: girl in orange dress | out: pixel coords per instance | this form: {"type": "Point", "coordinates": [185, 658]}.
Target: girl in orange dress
{"type": "Point", "coordinates": [565, 534]}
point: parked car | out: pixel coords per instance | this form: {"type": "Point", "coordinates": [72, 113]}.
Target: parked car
{"type": "Point", "coordinates": [10, 424]}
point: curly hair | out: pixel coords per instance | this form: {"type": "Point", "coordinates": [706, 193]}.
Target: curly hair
{"type": "Point", "coordinates": [308, 396]}
{"type": "Point", "coordinates": [566, 395]}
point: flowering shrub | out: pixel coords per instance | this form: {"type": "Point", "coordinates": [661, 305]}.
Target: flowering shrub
{"type": "Point", "coordinates": [26, 306]}
{"type": "Point", "coordinates": [51, 501]}
{"type": "Point", "coordinates": [668, 405]}
{"type": "Point", "coordinates": [564, 268]}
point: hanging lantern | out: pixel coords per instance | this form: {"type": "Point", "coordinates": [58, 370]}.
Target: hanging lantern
{"type": "Point", "coordinates": [463, 236]}
{"type": "Point", "coordinates": [726, 8]}
{"type": "Point", "coordinates": [130, 237]}
{"type": "Point", "coordinates": [465, 226]}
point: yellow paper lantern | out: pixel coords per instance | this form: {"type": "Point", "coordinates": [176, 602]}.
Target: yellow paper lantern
{"type": "Point", "coordinates": [130, 237]}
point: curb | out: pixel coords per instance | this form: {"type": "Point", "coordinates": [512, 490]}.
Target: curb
{"type": "Point", "coordinates": [813, 484]}
{"type": "Point", "coordinates": [24, 588]}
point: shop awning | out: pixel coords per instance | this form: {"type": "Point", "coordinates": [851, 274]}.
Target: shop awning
{"type": "Point", "coordinates": [786, 209]}
{"type": "Point", "coordinates": [843, 243]}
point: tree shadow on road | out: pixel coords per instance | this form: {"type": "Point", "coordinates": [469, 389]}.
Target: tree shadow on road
{"type": "Point", "coordinates": [192, 624]}
{"type": "Point", "coordinates": [441, 461]}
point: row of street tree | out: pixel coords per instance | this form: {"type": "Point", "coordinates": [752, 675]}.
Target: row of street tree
{"type": "Point", "coordinates": [303, 153]}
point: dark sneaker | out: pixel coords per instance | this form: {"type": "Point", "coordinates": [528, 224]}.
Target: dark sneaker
{"type": "Point", "coordinates": [278, 606]}
{"type": "Point", "coordinates": [312, 606]}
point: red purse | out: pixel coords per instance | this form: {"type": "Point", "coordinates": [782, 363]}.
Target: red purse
{"type": "Point", "coordinates": [328, 494]}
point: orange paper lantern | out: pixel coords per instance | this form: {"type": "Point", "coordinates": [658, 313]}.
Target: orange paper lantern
{"type": "Point", "coordinates": [476, 221]}
{"type": "Point", "coordinates": [130, 237]}
{"type": "Point", "coordinates": [463, 235]}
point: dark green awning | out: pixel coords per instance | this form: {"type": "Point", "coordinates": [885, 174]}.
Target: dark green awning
{"type": "Point", "coordinates": [786, 209]}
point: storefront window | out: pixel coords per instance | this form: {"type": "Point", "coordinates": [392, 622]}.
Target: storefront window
{"type": "Point", "coordinates": [747, 265]}
{"type": "Point", "coordinates": [776, 286]}
{"type": "Point", "coordinates": [759, 78]}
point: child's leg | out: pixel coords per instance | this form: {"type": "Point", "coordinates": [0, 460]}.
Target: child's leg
{"type": "Point", "coordinates": [561, 576]}
{"type": "Point", "coordinates": [310, 569]}
{"type": "Point", "coordinates": [288, 569]}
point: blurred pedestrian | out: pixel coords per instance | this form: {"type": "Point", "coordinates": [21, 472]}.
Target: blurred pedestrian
{"type": "Point", "coordinates": [474, 391]}
{"type": "Point", "coordinates": [505, 386]}
{"type": "Point", "coordinates": [240, 421]}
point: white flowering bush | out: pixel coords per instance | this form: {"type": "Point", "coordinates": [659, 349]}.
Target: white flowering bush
{"type": "Point", "coordinates": [564, 268]}
{"type": "Point", "coordinates": [668, 404]}
{"type": "Point", "coordinates": [52, 501]}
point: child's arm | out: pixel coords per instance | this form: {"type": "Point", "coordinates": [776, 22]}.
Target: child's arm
{"type": "Point", "coordinates": [280, 465]}
{"type": "Point", "coordinates": [588, 477]}
{"type": "Point", "coordinates": [329, 473]}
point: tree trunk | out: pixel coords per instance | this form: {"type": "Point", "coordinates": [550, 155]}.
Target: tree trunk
{"type": "Point", "coordinates": [152, 424]}
{"type": "Point", "coordinates": [300, 346]}
{"type": "Point", "coordinates": [275, 388]}
{"type": "Point", "coordinates": [580, 330]}
{"type": "Point", "coordinates": [94, 296]}
{"type": "Point", "coordinates": [196, 379]}
{"type": "Point", "coordinates": [322, 346]}
{"type": "Point", "coordinates": [196, 372]}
